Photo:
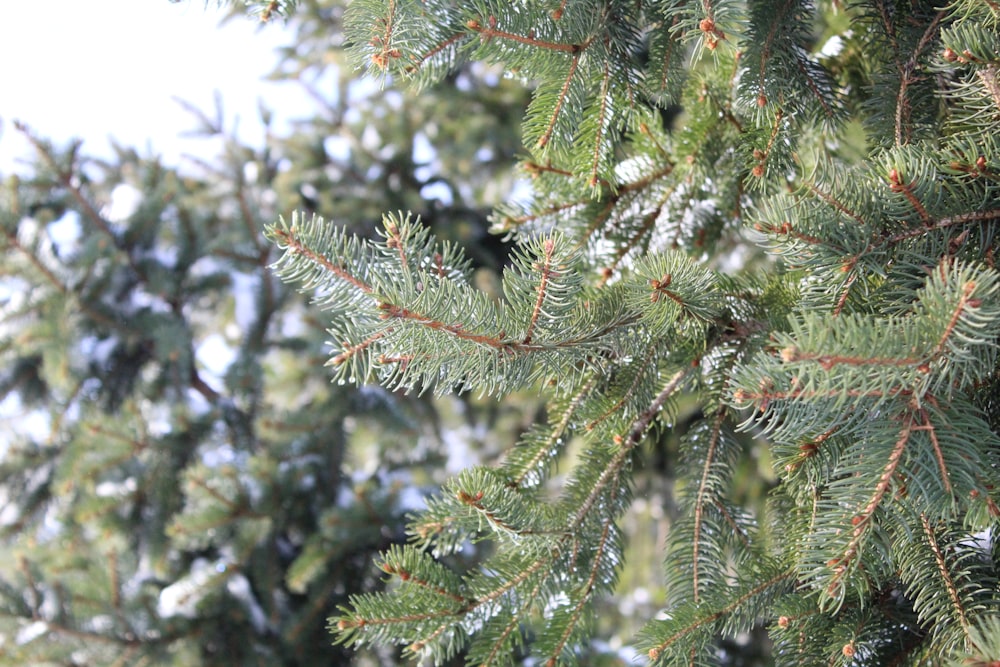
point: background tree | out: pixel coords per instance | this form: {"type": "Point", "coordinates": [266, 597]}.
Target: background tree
{"type": "Point", "coordinates": [855, 372]}
{"type": "Point", "coordinates": [181, 482]}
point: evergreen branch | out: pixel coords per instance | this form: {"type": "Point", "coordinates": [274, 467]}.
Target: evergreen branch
{"type": "Point", "coordinates": [906, 76]}
{"type": "Point", "coordinates": [928, 426]}
{"type": "Point", "coordinates": [96, 315]}
{"type": "Point", "coordinates": [438, 48]}
{"type": "Point", "coordinates": [600, 125]}
{"type": "Point", "coordinates": [66, 181]}
{"type": "Point", "coordinates": [863, 520]}
{"type": "Point", "coordinates": [560, 100]}
{"type": "Point", "coordinates": [499, 645]}
{"type": "Point", "coordinates": [967, 289]}
{"type": "Point", "coordinates": [588, 589]}
{"type": "Point", "coordinates": [555, 434]}
{"type": "Point", "coordinates": [353, 350]}
{"type": "Point", "coordinates": [625, 446]}
{"type": "Point", "coordinates": [829, 361]}
{"type": "Point", "coordinates": [896, 184]}
{"type": "Point", "coordinates": [545, 271]}
{"type": "Point", "coordinates": [290, 239]}
{"type": "Point", "coordinates": [656, 651]}
{"type": "Point", "coordinates": [491, 31]}
{"type": "Point", "coordinates": [699, 505]}
{"type": "Point", "coordinates": [835, 203]}
{"type": "Point", "coordinates": [946, 576]}
{"type": "Point", "coordinates": [646, 365]}
{"type": "Point", "coordinates": [778, 23]}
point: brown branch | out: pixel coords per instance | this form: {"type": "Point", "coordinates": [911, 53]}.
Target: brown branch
{"type": "Point", "coordinates": [829, 199]}
{"type": "Point", "coordinates": [475, 502]}
{"type": "Point", "coordinates": [699, 507]}
{"type": "Point", "coordinates": [764, 397]}
{"type": "Point", "coordinates": [544, 139]}
{"type": "Point", "coordinates": [991, 215]}
{"type": "Point", "coordinates": [862, 521]}
{"type": "Point", "coordinates": [928, 426]}
{"type": "Point", "coordinates": [942, 566]}
{"type": "Point", "coordinates": [272, 7]}
{"type": "Point", "coordinates": [627, 443]}
{"type": "Point", "coordinates": [66, 180]}
{"type": "Point", "coordinates": [897, 185]}
{"type": "Point", "coordinates": [390, 310]}
{"type": "Point", "coordinates": [53, 279]}
{"type": "Point", "coordinates": [353, 350]}
{"type": "Point", "coordinates": [345, 624]}
{"type": "Point", "coordinates": [828, 361]}
{"type": "Point", "coordinates": [963, 301]}
{"type": "Point", "coordinates": [602, 115]}
{"type": "Point", "coordinates": [419, 62]}
{"type": "Point", "coordinates": [761, 156]}
{"type": "Point", "coordinates": [291, 240]}
{"type": "Point", "coordinates": [814, 87]}
{"type": "Point", "coordinates": [407, 576]}
{"type": "Point", "coordinates": [667, 55]}
{"type": "Point", "coordinates": [628, 392]}
{"type": "Point", "coordinates": [906, 76]}
{"type": "Point", "coordinates": [383, 42]}
{"type": "Point", "coordinates": [488, 32]}
{"type": "Point", "coordinates": [515, 624]}
{"type": "Point", "coordinates": [777, 24]}
{"type": "Point", "coordinates": [546, 272]}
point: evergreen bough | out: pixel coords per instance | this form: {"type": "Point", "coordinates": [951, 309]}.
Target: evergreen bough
{"type": "Point", "coordinates": [667, 144]}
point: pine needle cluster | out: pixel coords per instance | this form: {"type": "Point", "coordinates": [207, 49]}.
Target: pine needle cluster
{"type": "Point", "coordinates": [782, 211]}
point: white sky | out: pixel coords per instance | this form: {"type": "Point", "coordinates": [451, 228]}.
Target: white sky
{"type": "Point", "coordinates": [110, 68]}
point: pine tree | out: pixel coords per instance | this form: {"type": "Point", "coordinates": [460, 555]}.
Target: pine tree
{"type": "Point", "coordinates": [179, 482]}
{"type": "Point", "coordinates": [759, 243]}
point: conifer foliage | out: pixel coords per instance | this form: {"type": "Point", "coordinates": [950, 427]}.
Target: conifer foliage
{"type": "Point", "coordinates": [857, 145]}
{"type": "Point", "coordinates": [179, 482]}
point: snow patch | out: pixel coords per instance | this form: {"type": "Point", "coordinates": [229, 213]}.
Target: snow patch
{"type": "Point", "coordinates": [125, 200]}
{"type": "Point", "coordinates": [182, 597]}
{"type": "Point", "coordinates": [31, 632]}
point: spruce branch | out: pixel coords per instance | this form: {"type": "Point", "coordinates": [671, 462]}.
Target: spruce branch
{"type": "Point", "coordinates": [945, 574]}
